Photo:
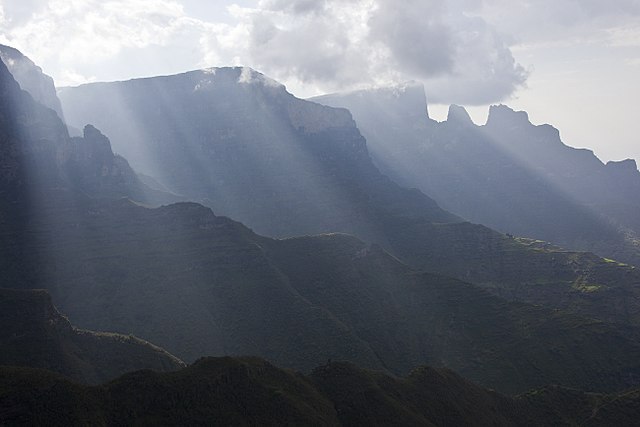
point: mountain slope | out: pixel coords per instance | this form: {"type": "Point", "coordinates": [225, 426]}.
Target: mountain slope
{"type": "Point", "coordinates": [34, 334]}
{"type": "Point", "coordinates": [508, 175]}
{"type": "Point", "coordinates": [197, 284]}
{"type": "Point", "coordinates": [252, 392]}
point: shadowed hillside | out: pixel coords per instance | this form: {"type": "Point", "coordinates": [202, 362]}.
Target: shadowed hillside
{"type": "Point", "coordinates": [34, 334]}
{"type": "Point", "coordinates": [249, 391]}
{"type": "Point", "coordinates": [197, 284]}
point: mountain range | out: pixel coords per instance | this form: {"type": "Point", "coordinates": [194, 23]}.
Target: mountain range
{"type": "Point", "coordinates": [237, 142]}
{"type": "Point", "coordinates": [508, 174]}
{"type": "Point", "coordinates": [336, 261]}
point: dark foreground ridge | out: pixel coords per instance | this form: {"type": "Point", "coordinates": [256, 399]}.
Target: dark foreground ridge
{"type": "Point", "coordinates": [33, 333]}
{"type": "Point", "coordinates": [250, 391]}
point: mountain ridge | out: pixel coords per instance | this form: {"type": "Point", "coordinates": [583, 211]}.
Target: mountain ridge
{"type": "Point", "coordinates": [34, 334]}
{"type": "Point", "coordinates": [249, 391]}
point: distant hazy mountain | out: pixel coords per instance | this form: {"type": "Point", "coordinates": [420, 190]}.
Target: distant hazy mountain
{"type": "Point", "coordinates": [34, 334]}
{"type": "Point", "coordinates": [510, 175]}
{"type": "Point", "coordinates": [249, 391]}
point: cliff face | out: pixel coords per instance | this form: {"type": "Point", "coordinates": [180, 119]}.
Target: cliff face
{"type": "Point", "coordinates": [37, 154]}
{"type": "Point", "coordinates": [34, 334]}
{"type": "Point", "coordinates": [31, 78]}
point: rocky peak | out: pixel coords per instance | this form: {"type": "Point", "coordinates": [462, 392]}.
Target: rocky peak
{"type": "Point", "coordinates": [98, 143]}
{"type": "Point", "coordinates": [459, 115]}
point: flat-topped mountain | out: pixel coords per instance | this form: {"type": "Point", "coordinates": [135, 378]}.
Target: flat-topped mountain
{"type": "Point", "coordinates": [509, 174]}
{"type": "Point", "coordinates": [250, 391]}
{"type": "Point", "coordinates": [34, 334]}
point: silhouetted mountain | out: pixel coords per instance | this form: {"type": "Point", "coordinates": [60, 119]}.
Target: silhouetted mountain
{"type": "Point", "coordinates": [34, 334]}
{"type": "Point", "coordinates": [250, 391]}
{"type": "Point", "coordinates": [31, 78]}
{"type": "Point", "coordinates": [508, 175]}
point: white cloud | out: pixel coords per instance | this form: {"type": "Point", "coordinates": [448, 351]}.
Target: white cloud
{"type": "Point", "coordinates": [77, 37]}
{"type": "Point", "coordinates": [460, 49]}
{"type": "Point", "coordinates": [342, 44]}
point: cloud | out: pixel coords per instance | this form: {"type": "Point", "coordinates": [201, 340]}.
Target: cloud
{"type": "Point", "coordinates": [76, 38]}
{"type": "Point", "coordinates": [460, 49]}
{"type": "Point", "coordinates": [344, 44]}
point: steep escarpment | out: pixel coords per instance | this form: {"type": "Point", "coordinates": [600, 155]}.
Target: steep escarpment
{"type": "Point", "coordinates": [34, 334]}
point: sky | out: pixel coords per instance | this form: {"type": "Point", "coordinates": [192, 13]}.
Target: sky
{"type": "Point", "coordinates": [574, 64]}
